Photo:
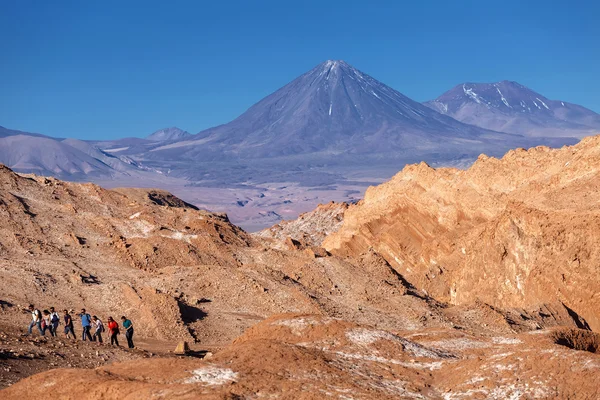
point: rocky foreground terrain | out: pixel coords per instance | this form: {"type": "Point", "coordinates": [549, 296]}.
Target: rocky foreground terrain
{"type": "Point", "coordinates": [444, 284]}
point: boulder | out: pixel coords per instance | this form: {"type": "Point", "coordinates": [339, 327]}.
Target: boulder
{"type": "Point", "coordinates": [182, 348]}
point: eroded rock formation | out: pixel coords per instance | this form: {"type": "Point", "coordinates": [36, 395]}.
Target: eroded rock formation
{"type": "Point", "coordinates": [512, 232]}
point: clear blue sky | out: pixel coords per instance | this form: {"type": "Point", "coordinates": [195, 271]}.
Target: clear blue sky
{"type": "Point", "coordinates": [107, 69]}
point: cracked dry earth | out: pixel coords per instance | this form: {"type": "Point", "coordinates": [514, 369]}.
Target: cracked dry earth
{"type": "Point", "coordinates": [441, 284]}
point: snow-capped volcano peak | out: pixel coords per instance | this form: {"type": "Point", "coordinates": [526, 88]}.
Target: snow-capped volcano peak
{"type": "Point", "coordinates": [508, 106]}
{"type": "Point", "coordinates": [329, 64]}
{"type": "Point", "coordinates": [172, 133]}
{"type": "Point", "coordinates": [503, 96]}
{"type": "Point", "coordinates": [333, 108]}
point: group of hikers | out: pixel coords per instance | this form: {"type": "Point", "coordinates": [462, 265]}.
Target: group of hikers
{"type": "Point", "coordinates": [49, 320]}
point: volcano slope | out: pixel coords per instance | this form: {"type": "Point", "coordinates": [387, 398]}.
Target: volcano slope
{"type": "Point", "coordinates": [361, 327]}
{"type": "Point", "coordinates": [511, 232]}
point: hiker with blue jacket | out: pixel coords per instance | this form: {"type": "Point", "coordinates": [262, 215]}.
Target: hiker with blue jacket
{"type": "Point", "coordinates": [86, 324]}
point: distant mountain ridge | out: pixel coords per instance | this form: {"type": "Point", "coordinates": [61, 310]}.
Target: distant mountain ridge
{"type": "Point", "coordinates": [333, 116]}
{"type": "Point", "coordinates": [326, 135]}
{"type": "Point", "coordinates": [70, 159]}
{"type": "Point", "coordinates": [336, 110]}
{"type": "Point", "coordinates": [511, 107]}
{"type": "Point", "coordinates": [5, 132]}
{"type": "Point", "coordinates": [172, 133]}
{"type": "Point", "coordinates": [48, 156]}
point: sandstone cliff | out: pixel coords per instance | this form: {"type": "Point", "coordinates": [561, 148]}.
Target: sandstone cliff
{"type": "Point", "coordinates": [511, 232]}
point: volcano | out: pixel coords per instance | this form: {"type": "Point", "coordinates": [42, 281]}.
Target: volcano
{"type": "Point", "coordinates": [337, 110]}
{"type": "Point", "coordinates": [511, 107]}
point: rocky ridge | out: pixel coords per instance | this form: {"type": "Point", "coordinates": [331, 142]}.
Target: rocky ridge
{"type": "Point", "coordinates": [512, 232]}
{"type": "Point", "coordinates": [310, 228]}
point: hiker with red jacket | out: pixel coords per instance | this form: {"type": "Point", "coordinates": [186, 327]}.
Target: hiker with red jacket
{"type": "Point", "coordinates": [113, 331]}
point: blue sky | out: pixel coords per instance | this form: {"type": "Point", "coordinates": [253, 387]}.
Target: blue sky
{"type": "Point", "coordinates": [101, 70]}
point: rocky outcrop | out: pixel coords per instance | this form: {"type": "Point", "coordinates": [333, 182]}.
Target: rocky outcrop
{"type": "Point", "coordinates": [310, 228]}
{"type": "Point", "coordinates": [513, 232]}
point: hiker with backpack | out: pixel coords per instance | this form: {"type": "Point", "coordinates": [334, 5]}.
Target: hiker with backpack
{"type": "Point", "coordinates": [86, 324]}
{"type": "Point", "coordinates": [54, 322]}
{"type": "Point", "coordinates": [69, 329]}
{"type": "Point", "coordinates": [113, 331]}
{"type": "Point", "coordinates": [99, 329]}
{"type": "Point", "coordinates": [47, 322]}
{"type": "Point", "coordinates": [128, 325]}
{"type": "Point", "coordinates": [36, 320]}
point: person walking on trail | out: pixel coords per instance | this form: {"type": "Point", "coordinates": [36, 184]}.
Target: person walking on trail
{"type": "Point", "coordinates": [47, 322]}
{"type": "Point", "coordinates": [69, 329]}
{"type": "Point", "coordinates": [55, 321]}
{"type": "Point", "coordinates": [113, 331]}
{"type": "Point", "coordinates": [128, 325]}
{"type": "Point", "coordinates": [86, 324]}
{"type": "Point", "coordinates": [36, 320]}
{"type": "Point", "coordinates": [99, 328]}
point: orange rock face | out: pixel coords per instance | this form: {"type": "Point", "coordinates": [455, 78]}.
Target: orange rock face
{"type": "Point", "coordinates": [512, 232]}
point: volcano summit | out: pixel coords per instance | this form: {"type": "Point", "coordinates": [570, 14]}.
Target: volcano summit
{"type": "Point", "coordinates": [337, 110]}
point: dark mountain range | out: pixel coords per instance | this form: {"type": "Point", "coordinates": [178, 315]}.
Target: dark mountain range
{"type": "Point", "coordinates": [510, 107]}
